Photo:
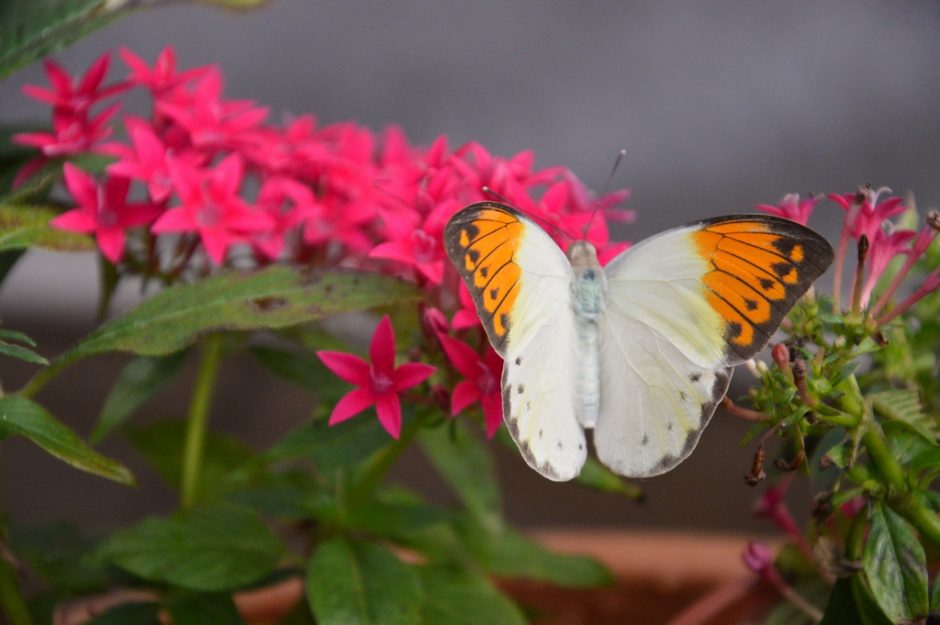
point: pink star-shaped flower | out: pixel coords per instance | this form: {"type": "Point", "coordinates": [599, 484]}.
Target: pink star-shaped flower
{"type": "Point", "coordinates": [76, 97]}
{"type": "Point", "coordinates": [882, 250]}
{"type": "Point", "coordinates": [467, 316]}
{"type": "Point", "coordinates": [792, 207]}
{"type": "Point", "coordinates": [864, 214]}
{"type": "Point", "coordinates": [103, 210]}
{"type": "Point", "coordinates": [481, 381]}
{"type": "Point", "coordinates": [211, 206]}
{"type": "Point", "coordinates": [289, 204]}
{"type": "Point", "coordinates": [417, 245]}
{"type": "Point", "coordinates": [378, 383]}
{"type": "Point", "coordinates": [163, 76]}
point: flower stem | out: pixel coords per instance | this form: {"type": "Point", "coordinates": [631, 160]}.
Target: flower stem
{"type": "Point", "coordinates": [198, 420]}
{"type": "Point", "coordinates": [377, 466]}
{"type": "Point", "coordinates": [837, 275]}
{"type": "Point", "coordinates": [46, 375]}
{"type": "Point", "coordinates": [12, 604]}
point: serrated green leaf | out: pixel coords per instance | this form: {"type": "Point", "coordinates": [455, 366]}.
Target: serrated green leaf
{"type": "Point", "coordinates": [360, 583]}
{"type": "Point", "coordinates": [466, 464]}
{"type": "Point", "coordinates": [145, 613]}
{"type": "Point", "coordinates": [22, 227]}
{"type": "Point", "coordinates": [895, 566]}
{"type": "Point", "coordinates": [455, 597]}
{"type": "Point", "coordinates": [162, 444]}
{"type": "Point", "coordinates": [274, 297]}
{"type": "Point", "coordinates": [30, 30]}
{"type": "Point", "coordinates": [911, 449]}
{"type": "Point", "coordinates": [905, 406]}
{"type": "Point", "coordinates": [340, 446]}
{"type": "Point", "coordinates": [203, 609]}
{"type": "Point", "coordinates": [140, 380]}
{"type": "Point", "coordinates": [23, 417]}
{"type": "Point", "coordinates": [216, 548]}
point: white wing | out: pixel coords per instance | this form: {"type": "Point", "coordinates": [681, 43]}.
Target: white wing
{"type": "Point", "coordinates": [682, 307]}
{"type": "Point", "coordinates": [521, 283]}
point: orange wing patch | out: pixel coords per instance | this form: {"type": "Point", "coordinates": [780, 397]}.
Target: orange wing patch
{"type": "Point", "coordinates": [482, 241]}
{"type": "Point", "coordinates": [760, 266]}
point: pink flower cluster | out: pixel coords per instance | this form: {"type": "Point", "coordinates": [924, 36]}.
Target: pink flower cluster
{"type": "Point", "coordinates": [868, 220]}
{"type": "Point", "coordinates": [214, 182]}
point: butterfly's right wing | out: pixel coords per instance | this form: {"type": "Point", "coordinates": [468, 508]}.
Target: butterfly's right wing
{"type": "Point", "coordinates": [521, 284]}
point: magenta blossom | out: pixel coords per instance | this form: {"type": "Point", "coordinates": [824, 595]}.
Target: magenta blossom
{"type": "Point", "coordinates": [71, 133]}
{"type": "Point", "coordinates": [864, 213]}
{"type": "Point", "coordinates": [481, 384]}
{"type": "Point", "coordinates": [69, 95]}
{"type": "Point", "coordinates": [103, 210]}
{"type": "Point", "coordinates": [792, 207]}
{"type": "Point", "coordinates": [163, 76]}
{"type": "Point", "coordinates": [882, 250]}
{"type": "Point", "coordinates": [212, 207]}
{"type": "Point", "coordinates": [377, 384]}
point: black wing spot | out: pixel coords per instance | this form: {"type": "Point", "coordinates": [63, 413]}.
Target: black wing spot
{"type": "Point", "coordinates": [695, 377]}
{"type": "Point", "coordinates": [580, 446]}
{"type": "Point", "coordinates": [472, 231]}
{"type": "Point", "coordinates": [785, 245]}
{"type": "Point", "coordinates": [781, 269]}
{"type": "Point", "coordinates": [473, 255]}
{"type": "Point", "coordinates": [494, 292]}
{"type": "Point", "coordinates": [518, 360]}
{"type": "Point", "coordinates": [484, 271]}
{"type": "Point", "coordinates": [683, 396]}
{"type": "Point", "coordinates": [766, 284]}
{"type": "Point", "coordinates": [750, 304]}
{"type": "Point", "coordinates": [520, 389]}
{"type": "Point", "coordinates": [669, 427]}
{"type": "Point", "coordinates": [646, 439]}
{"type": "Point", "coordinates": [540, 433]}
{"type": "Point", "coordinates": [559, 444]}
{"type": "Point", "coordinates": [734, 330]}
{"type": "Point", "coordinates": [504, 320]}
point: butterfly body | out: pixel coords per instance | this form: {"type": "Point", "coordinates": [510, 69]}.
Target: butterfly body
{"type": "Point", "coordinates": [640, 350]}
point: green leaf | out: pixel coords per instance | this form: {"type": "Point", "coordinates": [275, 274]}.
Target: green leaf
{"type": "Point", "coordinates": [162, 443]}
{"type": "Point", "coordinates": [869, 612]}
{"type": "Point", "coordinates": [23, 417]}
{"type": "Point", "coordinates": [275, 297]}
{"type": "Point", "coordinates": [62, 556]}
{"type": "Point", "coordinates": [341, 446]}
{"type": "Point", "coordinates": [129, 614]}
{"type": "Point", "coordinates": [220, 547]}
{"type": "Point", "coordinates": [293, 496]}
{"type": "Point", "coordinates": [895, 566]}
{"type": "Point", "coordinates": [509, 554]}
{"type": "Point", "coordinates": [905, 406]}
{"type": "Point", "coordinates": [31, 30]}
{"type": "Point", "coordinates": [466, 464]}
{"type": "Point", "coordinates": [24, 226]}
{"type": "Point", "coordinates": [454, 597]}
{"type": "Point", "coordinates": [301, 369]}
{"type": "Point", "coordinates": [598, 477]}
{"type": "Point", "coordinates": [935, 596]}
{"type": "Point", "coordinates": [140, 380]}
{"type": "Point", "coordinates": [397, 514]}
{"type": "Point", "coordinates": [8, 260]}
{"type": "Point", "coordinates": [912, 450]}
{"type": "Point", "coordinates": [851, 604]}
{"type": "Point", "coordinates": [9, 347]}
{"type": "Point", "coordinates": [203, 609]}
{"type": "Point", "coordinates": [360, 583]}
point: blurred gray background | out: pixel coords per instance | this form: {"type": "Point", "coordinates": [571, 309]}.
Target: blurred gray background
{"type": "Point", "coordinates": [719, 105]}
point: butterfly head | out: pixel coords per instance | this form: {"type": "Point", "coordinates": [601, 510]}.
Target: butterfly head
{"type": "Point", "coordinates": [583, 255]}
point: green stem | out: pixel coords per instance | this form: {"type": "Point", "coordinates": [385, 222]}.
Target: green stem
{"type": "Point", "coordinates": [46, 375]}
{"type": "Point", "coordinates": [923, 518]}
{"type": "Point", "coordinates": [12, 604]}
{"type": "Point", "coordinates": [855, 541]}
{"type": "Point", "coordinates": [882, 458]}
{"type": "Point", "coordinates": [198, 421]}
{"type": "Point", "coordinates": [374, 471]}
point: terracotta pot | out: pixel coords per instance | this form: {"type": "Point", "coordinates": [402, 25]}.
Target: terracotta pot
{"type": "Point", "coordinates": [661, 578]}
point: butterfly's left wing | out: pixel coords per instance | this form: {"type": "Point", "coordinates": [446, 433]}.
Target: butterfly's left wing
{"type": "Point", "coordinates": [682, 308]}
{"type": "Point", "coordinates": [520, 281]}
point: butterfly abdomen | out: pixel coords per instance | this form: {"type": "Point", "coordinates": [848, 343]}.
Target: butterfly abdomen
{"type": "Point", "coordinates": [588, 293]}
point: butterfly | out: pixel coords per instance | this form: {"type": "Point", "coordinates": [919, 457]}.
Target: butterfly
{"type": "Point", "coordinates": [640, 350]}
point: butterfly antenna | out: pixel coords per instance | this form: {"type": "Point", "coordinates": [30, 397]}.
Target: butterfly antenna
{"type": "Point", "coordinates": [545, 224]}
{"type": "Point", "coordinates": [597, 203]}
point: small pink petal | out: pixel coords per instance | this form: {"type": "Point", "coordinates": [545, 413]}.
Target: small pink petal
{"type": "Point", "coordinates": [465, 393]}
{"type": "Point", "coordinates": [347, 367]}
{"type": "Point", "coordinates": [77, 220]}
{"type": "Point", "coordinates": [411, 374]}
{"type": "Point", "coordinates": [492, 413]}
{"type": "Point", "coordinates": [351, 404]}
{"type": "Point", "coordinates": [382, 348]}
{"type": "Point", "coordinates": [174, 220]}
{"type": "Point", "coordinates": [464, 358]}
{"type": "Point", "coordinates": [388, 409]}
{"type": "Point", "coordinates": [82, 186]}
{"type": "Point", "coordinates": [111, 243]}
{"type": "Point", "coordinates": [216, 243]}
